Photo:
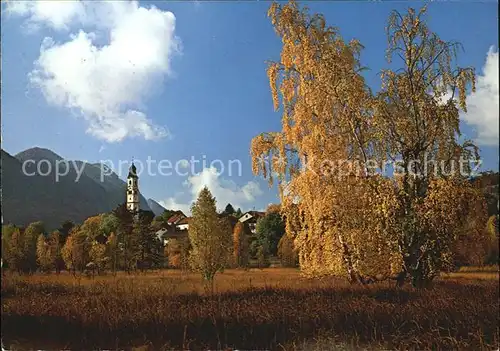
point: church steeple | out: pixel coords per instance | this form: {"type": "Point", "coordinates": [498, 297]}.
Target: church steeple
{"type": "Point", "coordinates": [132, 189]}
{"type": "Point", "coordinates": [132, 172]}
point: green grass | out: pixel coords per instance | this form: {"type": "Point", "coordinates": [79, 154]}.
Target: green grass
{"type": "Point", "coordinates": [256, 309]}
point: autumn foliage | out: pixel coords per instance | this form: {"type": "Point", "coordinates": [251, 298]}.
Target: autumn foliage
{"type": "Point", "coordinates": [349, 218]}
{"type": "Point", "coordinates": [241, 254]}
{"type": "Point", "coordinates": [210, 237]}
{"type": "Point", "coordinates": [287, 253]}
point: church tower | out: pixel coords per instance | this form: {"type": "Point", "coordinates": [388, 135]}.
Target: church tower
{"type": "Point", "coordinates": [133, 190]}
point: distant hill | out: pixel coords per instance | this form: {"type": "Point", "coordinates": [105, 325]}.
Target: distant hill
{"type": "Point", "coordinates": [28, 198]}
{"type": "Point", "coordinates": [156, 207]}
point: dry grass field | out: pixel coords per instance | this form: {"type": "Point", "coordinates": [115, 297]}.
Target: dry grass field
{"type": "Point", "coordinates": [274, 309]}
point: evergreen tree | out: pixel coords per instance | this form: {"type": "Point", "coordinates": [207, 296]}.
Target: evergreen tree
{"type": "Point", "coordinates": [146, 240]}
{"type": "Point", "coordinates": [229, 210]}
{"type": "Point", "coordinates": [66, 227]}
{"type": "Point", "coordinates": [238, 213]}
{"type": "Point", "coordinates": [126, 242]}
{"type": "Point", "coordinates": [269, 230]}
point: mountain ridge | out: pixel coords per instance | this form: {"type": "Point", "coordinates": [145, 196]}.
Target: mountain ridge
{"type": "Point", "coordinates": [29, 195]}
{"type": "Point", "coordinates": [156, 207]}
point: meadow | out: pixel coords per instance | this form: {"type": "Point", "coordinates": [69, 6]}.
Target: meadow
{"type": "Point", "coordinates": [271, 309]}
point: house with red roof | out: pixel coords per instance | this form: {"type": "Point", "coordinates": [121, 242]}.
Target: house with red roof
{"type": "Point", "coordinates": [176, 218]}
{"type": "Point", "coordinates": [183, 224]}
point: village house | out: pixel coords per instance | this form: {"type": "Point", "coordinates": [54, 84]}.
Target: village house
{"type": "Point", "coordinates": [178, 227]}
{"type": "Point", "coordinates": [183, 224]}
{"type": "Point", "coordinates": [178, 224]}
{"type": "Point", "coordinates": [250, 218]}
{"type": "Point", "coordinates": [176, 218]}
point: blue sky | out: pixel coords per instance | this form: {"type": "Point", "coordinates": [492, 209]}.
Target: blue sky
{"type": "Point", "coordinates": [209, 93]}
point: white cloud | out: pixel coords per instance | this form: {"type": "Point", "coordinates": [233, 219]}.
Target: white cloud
{"type": "Point", "coordinates": [482, 106]}
{"type": "Point", "coordinates": [225, 191]}
{"type": "Point", "coordinates": [53, 14]}
{"type": "Point", "coordinates": [107, 84]}
{"type": "Point", "coordinates": [173, 204]}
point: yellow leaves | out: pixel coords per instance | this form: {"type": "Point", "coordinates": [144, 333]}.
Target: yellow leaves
{"type": "Point", "coordinates": [272, 12]}
{"type": "Point", "coordinates": [492, 227]}
{"type": "Point", "coordinates": [272, 73]}
{"type": "Point", "coordinates": [286, 60]}
{"type": "Point", "coordinates": [449, 204]}
{"type": "Point", "coordinates": [288, 90]}
{"type": "Point", "coordinates": [97, 253]}
{"type": "Point", "coordinates": [345, 219]}
{"type": "Point", "coordinates": [465, 77]}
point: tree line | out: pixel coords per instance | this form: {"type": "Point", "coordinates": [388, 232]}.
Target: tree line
{"type": "Point", "coordinates": [111, 241]}
{"type": "Point", "coordinates": [122, 241]}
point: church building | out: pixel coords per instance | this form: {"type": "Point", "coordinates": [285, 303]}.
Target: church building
{"type": "Point", "coordinates": [133, 190]}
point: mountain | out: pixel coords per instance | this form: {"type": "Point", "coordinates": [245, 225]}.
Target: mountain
{"type": "Point", "coordinates": [156, 207]}
{"type": "Point", "coordinates": [76, 194]}
{"type": "Point", "coordinates": [26, 198]}
{"type": "Point", "coordinates": [37, 154]}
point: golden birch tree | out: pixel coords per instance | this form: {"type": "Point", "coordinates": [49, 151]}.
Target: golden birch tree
{"type": "Point", "coordinates": [326, 132]}
{"type": "Point", "coordinates": [337, 136]}
{"type": "Point", "coordinates": [416, 115]}
{"type": "Point", "coordinates": [75, 251]}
